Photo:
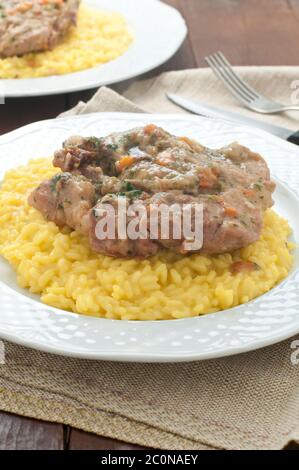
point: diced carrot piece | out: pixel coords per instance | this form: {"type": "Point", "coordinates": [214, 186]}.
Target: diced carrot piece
{"type": "Point", "coordinates": [45, 2]}
{"type": "Point", "coordinates": [243, 266]}
{"type": "Point", "coordinates": [164, 160]}
{"type": "Point", "coordinates": [192, 144]}
{"type": "Point", "coordinates": [248, 192]}
{"type": "Point", "coordinates": [205, 183]}
{"type": "Point", "coordinates": [150, 128]}
{"type": "Point", "coordinates": [207, 178]}
{"type": "Point", "coordinates": [215, 171]}
{"type": "Point", "coordinates": [186, 140]}
{"type": "Point", "coordinates": [230, 211]}
{"type": "Point", "coordinates": [31, 62]}
{"type": "Point", "coordinates": [24, 6]}
{"type": "Point", "coordinates": [124, 162]}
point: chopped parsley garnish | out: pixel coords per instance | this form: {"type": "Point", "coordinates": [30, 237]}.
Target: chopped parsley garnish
{"type": "Point", "coordinates": [54, 181]}
{"type": "Point", "coordinates": [243, 220]}
{"type": "Point", "coordinates": [112, 147]}
{"type": "Point", "coordinates": [127, 186]}
{"type": "Point", "coordinates": [134, 194]}
{"type": "Point", "coordinates": [126, 140]}
{"type": "Point", "coordinates": [130, 173]}
{"type": "Point", "coordinates": [130, 195]}
{"type": "Point", "coordinates": [129, 190]}
{"type": "Point", "coordinates": [258, 186]}
{"type": "Point", "coordinates": [95, 142]}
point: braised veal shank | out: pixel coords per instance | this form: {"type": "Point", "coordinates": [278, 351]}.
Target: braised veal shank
{"type": "Point", "coordinates": [151, 166]}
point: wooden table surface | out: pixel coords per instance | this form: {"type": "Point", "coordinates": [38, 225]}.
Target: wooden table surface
{"type": "Point", "coordinates": [249, 32]}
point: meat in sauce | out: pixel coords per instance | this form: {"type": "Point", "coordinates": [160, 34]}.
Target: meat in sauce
{"type": "Point", "coordinates": [151, 166]}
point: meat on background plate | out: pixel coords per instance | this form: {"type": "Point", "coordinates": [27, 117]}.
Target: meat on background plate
{"type": "Point", "coordinates": [34, 25]}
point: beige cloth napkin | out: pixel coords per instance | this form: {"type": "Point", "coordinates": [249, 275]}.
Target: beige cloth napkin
{"type": "Point", "coordinates": [250, 401]}
{"type": "Point", "coordinates": [279, 83]}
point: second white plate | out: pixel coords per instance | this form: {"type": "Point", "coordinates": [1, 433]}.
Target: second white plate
{"type": "Point", "coordinates": [158, 30]}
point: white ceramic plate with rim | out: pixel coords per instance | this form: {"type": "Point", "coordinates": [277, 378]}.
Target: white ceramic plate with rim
{"type": "Point", "coordinates": [261, 322]}
{"type": "Point", "coordinates": [158, 31]}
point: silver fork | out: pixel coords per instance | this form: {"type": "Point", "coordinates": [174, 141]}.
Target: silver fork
{"type": "Point", "coordinates": [241, 90]}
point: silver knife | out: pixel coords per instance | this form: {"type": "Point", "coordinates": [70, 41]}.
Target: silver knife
{"type": "Point", "coordinates": [211, 111]}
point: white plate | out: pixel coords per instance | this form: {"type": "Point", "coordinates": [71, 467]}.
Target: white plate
{"type": "Point", "coordinates": [158, 30]}
{"type": "Point", "coordinates": [263, 321]}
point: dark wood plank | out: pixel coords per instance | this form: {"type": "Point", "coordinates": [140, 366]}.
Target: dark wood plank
{"type": "Point", "coordinates": [79, 440]}
{"type": "Point", "coordinates": [251, 32]}
{"type": "Point", "coordinates": [184, 58]}
{"type": "Point", "coordinates": [18, 433]}
{"type": "Point", "coordinates": [19, 112]}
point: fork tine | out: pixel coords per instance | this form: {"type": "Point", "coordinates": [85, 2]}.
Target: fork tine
{"type": "Point", "coordinates": [227, 82]}
{"type": "Point", "coordinates": [230, 78]}
{"type": "Point", "coordinates": [246, 88]}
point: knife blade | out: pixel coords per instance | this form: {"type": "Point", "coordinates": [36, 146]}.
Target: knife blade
{"type": "Point", "coordinates": [212, 111]}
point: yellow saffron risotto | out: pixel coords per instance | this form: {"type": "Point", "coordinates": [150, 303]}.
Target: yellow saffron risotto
{"type": "Point", "coordinates": [99, 37]}
{"type": "Point", "coordinates": [59, 265]}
